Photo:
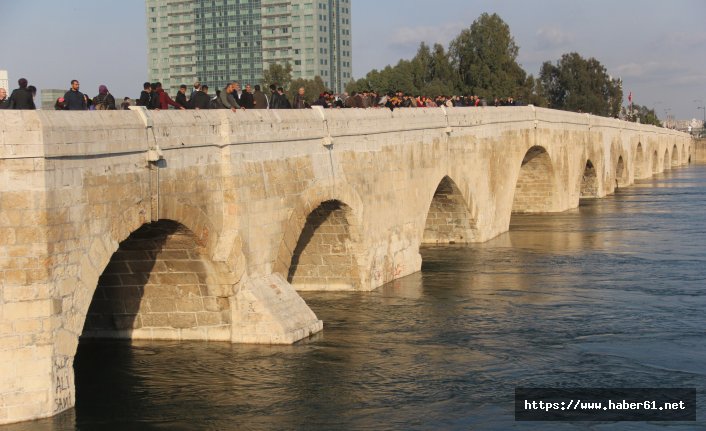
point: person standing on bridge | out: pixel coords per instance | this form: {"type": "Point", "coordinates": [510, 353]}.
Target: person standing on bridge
{"type": "Point", "coordinates": [181, 97]}
{"type": "Point", "coordinates": [283, 101]}
{"type": "Point", "coordinates": [164, 99]}
{"type": "Point", "coordinates": [104, 100]}
{"type": "Point", "coordinates": [300, 100]}
{"type": "Point", "coordinates": [74, 100]}
{"type": "Point", "coordinates": [200, 98]}
{"type": "Point", "coordinates": [247, 99]}
{"type": "Point", "coordinates": [145, 96]}
{"type": "Point", "coordinates": [260, 99]}
{"type": "Point", "coordinates": [4, 101]}
{"type": "Point", "coordinates": [21, 98]}
{"type": "Point", "coordinates": [226, 100]}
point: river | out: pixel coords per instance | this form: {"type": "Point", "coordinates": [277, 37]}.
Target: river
{"type": "Point", "coordinates": [610, 294]}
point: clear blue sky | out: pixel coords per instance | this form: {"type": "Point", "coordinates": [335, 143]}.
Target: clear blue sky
{"type": "Point", "coordinates": [657, 47]}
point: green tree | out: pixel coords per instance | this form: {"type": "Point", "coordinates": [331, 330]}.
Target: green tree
{"type": "Point", "coordinates": [641, 114]}
{"type": "Point", "coordinates": [430, 72]}
{"type": "Point", "coordinates": [444, 79]}
{"type": "Point", "coordinates": [278, 74]}
{"type": "Point", "coordinates": [531, 92]}
{"type": "Point", "coordinates": [485, 58]}
{"type": "Point", "coordinates": [580, 85]}
{"type": "Point", "coordinates": [421, 67]}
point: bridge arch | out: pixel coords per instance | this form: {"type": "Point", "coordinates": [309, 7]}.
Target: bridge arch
{"type": "Point", "coordinates": [622, 178]}
{"type": "Point", "coordinates": [161, 284]}
{"type": "Point", "coordinates": [535, 188]}
{"type": "Point", "coordinates": [640, 168]}
{"type": "Point", "coordinates": [450, 219]}
{"type": "Point", "coordinates": [675, 156]}
{"type": "Point", "coordinates": [589, 181]}
{"type": "Point", "coordinates": [666, 161]}
{"type": "Point", "coordinates": [320, 246]}
{"type": "Point", "coordinates": [100, 253]}
{"type": "Point", "coordinates": [655, 162]}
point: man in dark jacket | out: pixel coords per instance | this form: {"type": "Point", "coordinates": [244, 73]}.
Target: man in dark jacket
{"type": "Point", "coordinates": [283, 101]}
{"type": "Point", "coordinates": [246, 98]}
{"type": "Point", "coordinates": [74, 100]}
{"type": "Point", "coordinates": [21, 98]}
{"type": "Point", "coordinates": [181, 96]}
{"type": "Point", "coordinates": [279, 99]}
{"type": "Point", "coordinates": [154, 98]}
{"type": "Point", "coordinates": [300, 100]}
{"type": "Point", "coordinates": [200, 98]}
{"type": "Point", "coordinates": [274, 97]}
{"type": "Point", "coordinates": [145, 96]}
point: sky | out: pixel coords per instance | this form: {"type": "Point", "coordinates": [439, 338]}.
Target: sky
{"type": "Point", "coordinates": [658, 48]}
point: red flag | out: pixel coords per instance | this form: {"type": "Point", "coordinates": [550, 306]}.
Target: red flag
{"type": "Point", "coordinates": [630, 97]}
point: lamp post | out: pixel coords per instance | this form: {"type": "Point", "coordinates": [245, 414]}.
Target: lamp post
{"type": "Point", "coordinates": [666, 115]}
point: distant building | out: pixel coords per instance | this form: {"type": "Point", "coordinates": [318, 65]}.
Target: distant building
{"type": "Point", "coordinates": [49, 96]}
{"type": "Point", "coordinates": [4, 80]}
{"type": "Point", "coordinates": [216, 41]}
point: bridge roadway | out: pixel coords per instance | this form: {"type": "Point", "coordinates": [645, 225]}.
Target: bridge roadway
{"type": "Point", "coordinates": [203, 224]}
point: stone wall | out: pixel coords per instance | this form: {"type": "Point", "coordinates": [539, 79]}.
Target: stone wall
{"type": "Point", "coordinates": [699, 155]}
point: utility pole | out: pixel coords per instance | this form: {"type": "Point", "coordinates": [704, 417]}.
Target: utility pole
{"type": "Point", "coordinates": [703, 108]}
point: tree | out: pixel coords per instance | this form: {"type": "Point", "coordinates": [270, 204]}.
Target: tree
{"type": "Point", "coordinates": [484, 57]}
{"type": "Point", "coordinates": [531, 92]}
{"type": "Point", "coordinates": [421, 67]}
{"type": "Point", "coordinates": [429, 73]}
{"type": "Point", "coordinates": [580, 85]}
{"type": "Point", "coordinates": [278, 74]}
{"type": "Point", "coordinates": [641, 114]}
{"type": "Point", "coordinates": [444, 79]}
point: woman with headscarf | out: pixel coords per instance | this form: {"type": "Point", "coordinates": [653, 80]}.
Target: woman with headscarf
{"type": "Point", "coordinates": [104, 100]}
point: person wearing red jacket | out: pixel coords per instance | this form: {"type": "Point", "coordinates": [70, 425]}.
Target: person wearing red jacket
{"type": "Point", "coordinates": [164, 99]}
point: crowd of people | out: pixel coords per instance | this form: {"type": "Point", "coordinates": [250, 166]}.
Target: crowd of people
{"type": "Point", "coordinates": [73, 100]}
{"type": "Point", "coordinates": [234, 97]}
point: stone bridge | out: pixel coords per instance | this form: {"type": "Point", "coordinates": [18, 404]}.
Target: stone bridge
{"type": "Point", "coordinates": [203, 224]}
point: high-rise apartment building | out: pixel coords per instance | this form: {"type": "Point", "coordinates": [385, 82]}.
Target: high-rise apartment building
{"type": "Point", "coordinates": [216, 41]}
{"type": "Point", "coordinates": [4, 81]}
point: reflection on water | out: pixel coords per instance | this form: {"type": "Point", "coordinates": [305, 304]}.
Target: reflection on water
{"type": "Point", "coordinates": [610, 294]}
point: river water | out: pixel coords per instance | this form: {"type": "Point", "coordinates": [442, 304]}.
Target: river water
{"type": "Point", "coordinates": [611, 294]}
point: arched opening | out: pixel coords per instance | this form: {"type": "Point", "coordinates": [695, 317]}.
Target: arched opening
{"type": "Point", "coordinates": [534, 191]}
{"type": "Point", "coordinates": [655, 162]}
{"type": "Point", "coordinates": [159, 284]}
{"type": "Point", "coordinates": [675, 156]}
{"type": "Point", "coordinates": [589, 181]}
{"type": "Point", "coordinates": [621, 173]}
{"type": "Point", "coordinates": [449, 221]}
{"type": "Point", "coordinates": [323, 258]}
{"type": "Point", "coordinates": [666, 161]}
{"type": "Point", "coordinates": [639, 162]}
